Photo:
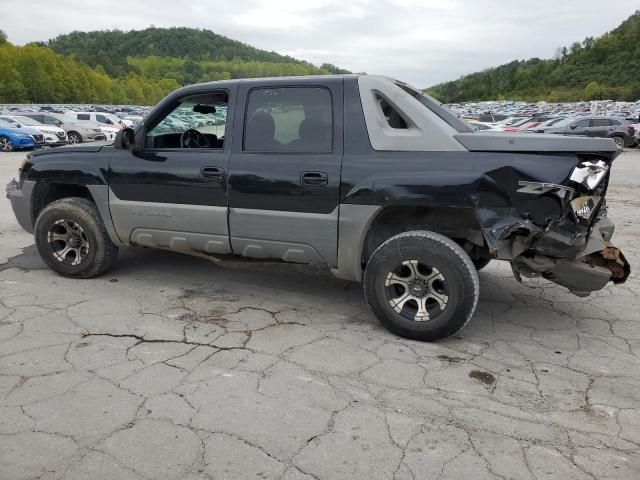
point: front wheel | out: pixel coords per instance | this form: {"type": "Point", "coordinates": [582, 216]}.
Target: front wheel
{"type": "Point", "coordinates": [421, 285]}
{"type": "Point", "coordinates": [74, 138]}
{"type": "Point", "coordinates": [6, 145]}
{"type": "Point", "coordinates": [72, 239]}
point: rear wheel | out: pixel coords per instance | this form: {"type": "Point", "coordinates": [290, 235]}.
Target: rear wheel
{"type": "Point", "coordinates": [619, 142]}
{"type": "Point", "coordinates": [6, 144]}
{"type": "Point", "coordinates": [421, 285]}
{"type": "Point", "coordinates": [72, 239]}
{"type": "Point", "coordinates": [74, 137]}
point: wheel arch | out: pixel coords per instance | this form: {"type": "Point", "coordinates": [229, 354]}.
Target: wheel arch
{"type": "Point", "coordinates": [363, 228]}
{"type": "Point", "coordinates": [44, 193]}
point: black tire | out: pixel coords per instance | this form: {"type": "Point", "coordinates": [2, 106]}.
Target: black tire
{"type": "Point", "coordinates": [58, 217]}
{"type": "Point", "coordinates": [443, 259]}
{"type": "Point", "coordinates": [480, 263]}
{"type": "Point", "coordinates": [619, 142]}
{"type": "Point", "coordinates": [74, 138]}
{"type": "Point", "coordinates": [6, 144]}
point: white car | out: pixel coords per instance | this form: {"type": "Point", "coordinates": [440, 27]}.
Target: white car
{"type": "Point", "coordinates": [110, 125]}
{"type": "Point", "coordinates": [53, 136]}
{"type": "Point", "coordinates": [104, 119]}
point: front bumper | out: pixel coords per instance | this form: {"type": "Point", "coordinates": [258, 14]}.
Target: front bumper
{"type": "Point", "coordinates": [597, 265]}
{"type": "Point", "coordinates": [20, 199]}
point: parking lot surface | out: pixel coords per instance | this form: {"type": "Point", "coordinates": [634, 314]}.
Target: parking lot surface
{"type": "Point", "coordinates": [172, 366]}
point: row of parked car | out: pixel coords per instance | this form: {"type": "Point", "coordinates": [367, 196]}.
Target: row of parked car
{"type": "Point", "coordinates": [28, 130]}
{"type": "Point", "coordinates": [624, 131]}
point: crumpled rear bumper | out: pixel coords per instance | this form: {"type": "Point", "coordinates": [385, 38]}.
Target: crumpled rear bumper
{"type": "Point", "coordinates": [591, 272]}
{"type": "Point", "coordinates": [599, 264]}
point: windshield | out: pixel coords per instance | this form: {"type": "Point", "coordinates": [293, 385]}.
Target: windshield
{"type": "Point", "coordinates": [520, 122]}
{"type": "Point", "coordinates": [565, 122]}
{"type": "Point", "coordinates": [67, 118]}
{"type": "Point", "coordinates": [551, 122]}
{"type": "Point", "coordinates": [115, 119]}
{"type": "Point", "coordinates": [27, 121]}
{"type": "Point", "coordinates": [10, 121]}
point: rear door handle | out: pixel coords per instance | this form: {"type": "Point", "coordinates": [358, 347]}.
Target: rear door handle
{"type": "Point", "coordinates": [212, 173]}
{"type": "Point", "coordinates": [314, 179]}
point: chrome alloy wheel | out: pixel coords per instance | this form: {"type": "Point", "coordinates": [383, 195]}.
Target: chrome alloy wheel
{"type": "Point", "coordinates": [619, 142]}
{"type": "Point", "coordinates": [68, 242]}
{"type": "Point", "coordinates": [416, 291]}
{"type": "Point", "coordinates": [6, 145]}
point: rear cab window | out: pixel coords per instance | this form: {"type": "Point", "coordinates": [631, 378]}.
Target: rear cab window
{"type": "Point", "coordinates": [289, 119]}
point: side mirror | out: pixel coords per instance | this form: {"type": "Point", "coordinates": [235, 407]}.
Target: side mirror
{"type": "Point", "coordinates": [58, 123]}
{"type": "Point", "coordinates": [125, 139]}
{"type": "Point", "coordinates": [573, 127]}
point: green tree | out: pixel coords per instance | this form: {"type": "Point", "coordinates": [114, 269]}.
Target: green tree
{"type": "Point", "coordinates": [607, 67]}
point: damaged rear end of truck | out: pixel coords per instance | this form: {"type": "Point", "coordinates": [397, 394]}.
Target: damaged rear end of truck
{"type": "Point", "coordinates": [549, 219]}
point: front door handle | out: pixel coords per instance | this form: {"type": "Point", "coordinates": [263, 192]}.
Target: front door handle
{"type": "Point", "coordinates": [212, 173]}
{"type": "Point", "coordinates": [314, 179]}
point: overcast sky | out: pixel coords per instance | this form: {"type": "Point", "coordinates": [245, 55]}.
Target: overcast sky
{"type": "Point", "coordinates": [420, 41]}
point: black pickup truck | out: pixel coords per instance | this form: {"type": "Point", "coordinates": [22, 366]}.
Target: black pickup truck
{"type": "Point", "coordinates": [365, 174]}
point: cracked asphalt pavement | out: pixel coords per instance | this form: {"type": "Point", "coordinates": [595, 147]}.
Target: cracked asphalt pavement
{"type": "Point", "coordinates": [174, 367]}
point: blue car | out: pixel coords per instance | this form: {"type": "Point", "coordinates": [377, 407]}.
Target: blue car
{"type": "Point", "coordinates": [13, 138]}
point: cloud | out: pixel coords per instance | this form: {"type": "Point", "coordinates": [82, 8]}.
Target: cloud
{"type": "Point", "coordinates": [421, 41]}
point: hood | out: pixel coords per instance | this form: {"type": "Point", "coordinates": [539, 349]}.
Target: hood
{"type": "Point", "coordinates": [50, 129]}
{"type": "Point", "coordinates": [89, 148]}
{"type": "Point", "coordinates": [528, 142]}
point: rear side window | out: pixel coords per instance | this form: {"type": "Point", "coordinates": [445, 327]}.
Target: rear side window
{"type": "Point", "coordinates": [84, 116]}
{"type": "Point", "coordinates": [393, 117]}
{"type": "Point", "coordinates": [600, 122]}
{"type": "Point", "coordinates": [289, 119]}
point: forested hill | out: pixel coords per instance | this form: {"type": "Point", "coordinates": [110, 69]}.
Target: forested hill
{"type": "Point", "coordinates": [135, 67]}
{"type": "Point", "coordinates": [607, 67]}
{"type": "Point", "coordinates": [110, 48]}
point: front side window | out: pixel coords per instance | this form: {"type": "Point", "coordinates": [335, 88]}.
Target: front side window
{"type": "Point", "coordinates": [196, 121]}
{"type": "Point", "coordinates": [581, 124]}
{"type": "Point", "coordinates": [84, 116]}
{"type": "Point", "coordinates": [289, 119]}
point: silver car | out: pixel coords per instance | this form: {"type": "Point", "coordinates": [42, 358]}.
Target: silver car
{"type": "Point", "coordinates": [77, 132]}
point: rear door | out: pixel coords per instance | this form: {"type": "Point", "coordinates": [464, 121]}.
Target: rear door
{"type": "Point", "coordinates": [284, 175]}
{"type": "Point", "coordinates": [170, 191]}
{"type": "Point", "coordinates": [600, 127]}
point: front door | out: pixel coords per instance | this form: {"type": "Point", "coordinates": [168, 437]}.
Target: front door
{"type": "Point", "coordinates": [284, 175]}
{"type": "Point", "coordinates": [171, 190]}
{"type": "Point", "coordinates": [581, 127]}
